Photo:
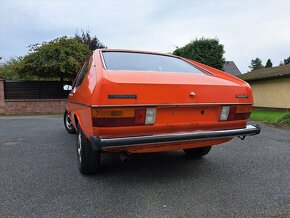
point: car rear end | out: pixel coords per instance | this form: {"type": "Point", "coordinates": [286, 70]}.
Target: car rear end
{"type": "Point", "coordinates": [150, 102]}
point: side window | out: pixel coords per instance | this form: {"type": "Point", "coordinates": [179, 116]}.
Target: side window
{"type": "Point", "coordinates": [82, 74]}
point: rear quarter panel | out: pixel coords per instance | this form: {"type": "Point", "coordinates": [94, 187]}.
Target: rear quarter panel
{"type": "Point", "coordinates": [80, 100]}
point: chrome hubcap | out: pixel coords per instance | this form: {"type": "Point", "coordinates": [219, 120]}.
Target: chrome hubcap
{"type": "Point", "coordinates": [80, 147]}
{"type": "Point", "coordinates": [68, 122]}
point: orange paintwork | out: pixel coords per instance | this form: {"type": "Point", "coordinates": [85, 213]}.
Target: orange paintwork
{"type": "Point", "coordinates": [176, 110]}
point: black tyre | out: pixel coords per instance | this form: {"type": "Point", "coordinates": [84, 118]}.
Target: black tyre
{"type": "Point", "coordinates": [68, 124]}
{"type": "Point", "coordinates": [197, 152]}
{"type": "Point", "coordinates": [88, 159]}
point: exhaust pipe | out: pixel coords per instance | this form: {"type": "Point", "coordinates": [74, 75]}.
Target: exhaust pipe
{"type": "Point", "coordinates": [123, 157]}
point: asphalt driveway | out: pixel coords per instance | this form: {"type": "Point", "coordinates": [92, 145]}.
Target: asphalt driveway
{"type": "Point", "coordinates": [39, 177]}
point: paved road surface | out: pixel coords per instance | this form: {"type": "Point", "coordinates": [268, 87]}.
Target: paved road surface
{"type": "Point", "coordinates": [39, 177]}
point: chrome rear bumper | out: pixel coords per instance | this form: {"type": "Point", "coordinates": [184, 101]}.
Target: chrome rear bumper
{"type": "Point", "coordinates": [98, 143]}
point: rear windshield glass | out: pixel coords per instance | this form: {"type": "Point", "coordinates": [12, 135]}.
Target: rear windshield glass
{"type": "Point", "coordinates": [146, 62]}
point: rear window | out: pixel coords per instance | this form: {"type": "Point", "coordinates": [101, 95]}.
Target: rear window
{"type": "Point", "coordinates": [146, 62]}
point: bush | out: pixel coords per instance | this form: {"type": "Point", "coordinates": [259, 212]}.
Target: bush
{"type": "Point", "coordinates": [60, 58]}
{"type": "Point", "coordinates": [7, 69]}
{"type": "Point", "coordinates": [206, 51]}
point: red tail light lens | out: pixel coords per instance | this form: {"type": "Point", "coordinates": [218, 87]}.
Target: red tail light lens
{"type": "Point", "coordinates": [116, 117]}
{"type": "Point", "coordinates": [236, 112]}
{"type": "Point", "coordinates": [140, 115]}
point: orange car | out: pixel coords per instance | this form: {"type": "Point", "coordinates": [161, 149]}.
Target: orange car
{"type": "Point", "coordinates": [135, 102]}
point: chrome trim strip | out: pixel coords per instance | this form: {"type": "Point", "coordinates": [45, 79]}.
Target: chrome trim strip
{"type": "Point", "coordinates": [103, 61]}
{"type": "Point", "coordinates": [155, 105]}
{"type": "Point", "coordinates": [73, 102]}
{"type": "Point", "coordinates": [100, 142]}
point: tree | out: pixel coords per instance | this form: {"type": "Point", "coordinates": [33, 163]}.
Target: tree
{"type": "Point", "coordinates": [7, 69]}
{"type": "Point", "coordinates": [60, 58]}
{"type": "Point", "coordinates": [204, 50]}
{"type": "Point", "coordinates": [268, 64]}
{"type": "Point", "coordinates": [256, 64]}
{"type": "Point", "coordinates": [287, 61]}
{"type": "Point", "coordinates": [92, 42]}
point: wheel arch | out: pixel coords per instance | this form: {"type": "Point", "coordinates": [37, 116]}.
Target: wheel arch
{"type": "Point", "coordinates": [77, 121]}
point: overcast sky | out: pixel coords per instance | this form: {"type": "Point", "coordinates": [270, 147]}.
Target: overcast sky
{"type": "Point", "coordinates": [248, 29]}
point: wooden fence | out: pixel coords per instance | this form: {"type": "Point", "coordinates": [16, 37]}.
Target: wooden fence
{"type": "Point", "coordinates": [35, 89]}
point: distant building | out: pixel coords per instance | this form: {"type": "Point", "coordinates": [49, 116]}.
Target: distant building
{"type": "Point", "coordinates": [230, 67]}
{"type": "Point", "coordinates": [271, 86]}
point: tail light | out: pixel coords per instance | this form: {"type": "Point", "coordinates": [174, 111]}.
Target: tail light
{"type": "Point", "coordinates": [235, 112]}
{"type": "Point", "coordinates": [113, 117]}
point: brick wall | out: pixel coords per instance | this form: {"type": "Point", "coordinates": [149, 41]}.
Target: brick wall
{"type": "Point", "coordinates": [27, 106]}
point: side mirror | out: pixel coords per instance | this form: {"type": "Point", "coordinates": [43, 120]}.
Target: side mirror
{"type": "Point", "coordinates": [67, 87]}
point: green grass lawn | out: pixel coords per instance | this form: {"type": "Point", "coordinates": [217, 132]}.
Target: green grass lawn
{"type": "Point", "coordinates": [278, 118]}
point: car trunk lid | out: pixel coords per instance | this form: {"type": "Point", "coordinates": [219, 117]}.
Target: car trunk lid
{"type": "Point", "coordinates": [163, 88]}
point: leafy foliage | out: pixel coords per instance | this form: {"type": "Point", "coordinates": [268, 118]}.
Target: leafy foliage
{"type": "Point", "coordinates": [287, 61]}
{"type": "Point", "coordinates": [60, 58]}
{"type": "Point", "coordinates": [92, 42]}
{"type": "Point", "coordinates": [204, 50]}
{"type": "Point", "coordinates": [268, 63]}
{"type": "Point", "coordinates": [7, 69]}
{"type": "Point", "coordinates": [256, 64]}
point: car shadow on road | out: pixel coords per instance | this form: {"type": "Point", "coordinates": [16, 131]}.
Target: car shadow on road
{"type": "Point", "coordinates": [151, 166]}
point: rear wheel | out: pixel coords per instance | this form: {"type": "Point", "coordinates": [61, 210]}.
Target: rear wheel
{"type": "Point", "coordinates": [68, 124]}
{"type": "Point", "coordinates": [197, 152]}
{"type": "Point", "coordinates": [88, 159]}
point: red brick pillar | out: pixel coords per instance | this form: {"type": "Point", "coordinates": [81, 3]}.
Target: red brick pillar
{"type": "Point", "coordinates": [2, 101]}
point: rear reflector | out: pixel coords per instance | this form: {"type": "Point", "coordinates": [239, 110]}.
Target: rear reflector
{"type": "Point", "coordinates": [235, 112]}
{"type": "Point", "coordinates": [114, 117]}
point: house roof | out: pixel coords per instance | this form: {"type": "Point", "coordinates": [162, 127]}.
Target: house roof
{"type": "Point", "coordinates": [230, 67]}
{"type": "Point", "coordinates": [267, 73]}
